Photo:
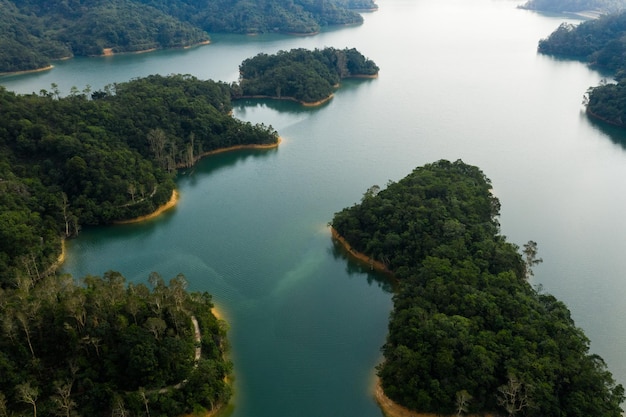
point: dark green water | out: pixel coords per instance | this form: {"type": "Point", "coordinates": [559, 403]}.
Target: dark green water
{"type": "Point", "coordinates": [459, 79]}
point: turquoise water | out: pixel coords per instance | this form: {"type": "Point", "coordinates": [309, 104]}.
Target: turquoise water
{"type": "Point", "coordinates": [459, 79]}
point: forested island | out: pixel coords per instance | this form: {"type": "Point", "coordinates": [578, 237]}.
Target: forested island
{"type": "Point", "coordinates": [309, 77]}
{"type": "Point", "coordinates": [103, 347]}
{"type": "Point", "coordinates": [98, 157]}
{"type": "Point", "coordinates": [33, 33]}
{"type": "Point", "coordinates": [468, 333]}
{"type": "Point", "coordinates": [601, 43]}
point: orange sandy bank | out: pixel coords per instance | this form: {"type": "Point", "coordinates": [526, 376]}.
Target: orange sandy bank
{"type": "Point", "coordinates": [57, 264]}
{"type": "Point", "coordinates": [217, 312]}
{"type": "Point", "coordinates": [361, 257]}
{"type": "Point", "coordinates": [175, 196]}
{"type": "Point", "coordinates": [49, 67]}
{"type": "Point", "coordinates": [391, 409]}
{"type": "Point", "coordinates": [110, 52]}
{"type": "Point", "coordinates": [239, 147]}
{"type": "Point", "coordinates": [171, 203]}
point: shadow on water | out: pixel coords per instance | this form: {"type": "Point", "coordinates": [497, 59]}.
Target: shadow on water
{"type": "Point", "coordinates": [217, 162]}
{"type": "Point", "coordinates": [191, 176]}
{"type": "Point", "coordinates": [283, 106]}
{"type": "Point", "coordinates": [615, 133]}
{"type": "Point", "coordinates": [354, 267]}
{"type": "Point", "coordinates": [139, 230]}
{"type": "Point", "coordinates": [292, 107]}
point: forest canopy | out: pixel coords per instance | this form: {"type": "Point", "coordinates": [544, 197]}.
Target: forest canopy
{"type": "Point", "coordinates": [96, 157]}
{"type": "Point", "coordinates": [467, 333]}
{"type": "Point", "coordinates": [35, 32]}
{"type": "Point", "coordinates": [599, 42]}
{"type": "Point", "coordinates": [302, 75]}
{"type": "Point", "coordinates": [104, 347]}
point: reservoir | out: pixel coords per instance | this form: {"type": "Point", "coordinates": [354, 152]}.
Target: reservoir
{"type": "Point", "coordinates": [459, 79]}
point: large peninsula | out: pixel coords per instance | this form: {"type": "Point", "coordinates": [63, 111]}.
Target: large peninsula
{"type": "Point", "coordinates": [98, 157]}
{"type": "Point", "coordinates": [33, 33]}
{"type": "Point", "coordinates": [468, 334]}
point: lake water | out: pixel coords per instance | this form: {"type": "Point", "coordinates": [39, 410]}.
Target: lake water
{"type": "Point", "coordinates": [459, 79]}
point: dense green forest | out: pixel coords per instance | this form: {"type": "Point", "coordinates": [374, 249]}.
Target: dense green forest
{"type": "Point", "coordinates": [96, 157]}
{"type": "Point", "coordinates": [468, 334]}
{"type": "Point", "coordinates": [302, 75]}
{"type": "Point", "coordinates": [102, 347]}
{"type": "Point", "coordinates": [607, 102]}
{"type": "Point", "coordinates": [574, 6]}
{"type": "Point", "coordinates": [35, 32]}
{"type": "Point", "coordinates": [601, 43]}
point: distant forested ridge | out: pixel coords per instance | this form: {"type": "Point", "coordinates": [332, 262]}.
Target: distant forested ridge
{"type": "Point", "coordinates": [601, 43]}
{"type": "Point", "coordinates": [35, 32]}
{"type": "Point", "coordinates": [575, 6]}
{"type": "Point", "coordinates": [468, 334]}
{"type": "Point", "coordinates": [302, 75]}
{"type": "Point", "coordinates": [96, 157]}
{"type": "Point", "coordinates": [103, 347]}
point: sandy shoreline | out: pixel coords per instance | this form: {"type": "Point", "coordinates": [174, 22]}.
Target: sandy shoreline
{"type": "Point", "coordinates": [57, 264]}
{"type": "Point", "coordinates": [176, 196]}
{"type": "Point", "coordinates": [374, 265]}
{"type": "Point", "coordinates": [49, 67]}
{"type": "Point", "coordinates": [217, 312]}
{"type": "Point", "coordinates": [170, 204]}
{"type": "Point", "coordinates": [110, 52]}
{"type": "Point", "coordinates": [390, 408]}
{"type": "Point", "coordinates": [236, 148]}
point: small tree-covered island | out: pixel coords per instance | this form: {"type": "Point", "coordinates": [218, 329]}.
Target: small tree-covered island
{"type": "Point", "coordinates": [468, 334]}
{"type": "Point", "coordinates": [305, 76]}
{"type": "Point", "coordinates": [102, 347]}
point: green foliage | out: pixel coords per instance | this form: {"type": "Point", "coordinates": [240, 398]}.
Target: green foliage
{"type": "Point", "coordinates": [67, 162]}
{"type": "Point", "coordinates": [260, 16]}
{"type": "Point", "coordinates": [598, 41]}
{"type": "Point", "coordinates": [465, 320]}
{"type": "Point", "coordinates": [104, 347]}
{"type": "Point", "coordinates": [34, 32]}
{"type": "Point", "coordinates": [607, 102]}
{"type": "Point", "coordinates": [300, 74]}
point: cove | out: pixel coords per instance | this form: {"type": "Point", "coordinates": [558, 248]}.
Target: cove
{"type": "Point", "coordinates": [458, 80]}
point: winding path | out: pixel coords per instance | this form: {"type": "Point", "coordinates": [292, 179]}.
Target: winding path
{"type": "Point", "coordinates": [197, 338]}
